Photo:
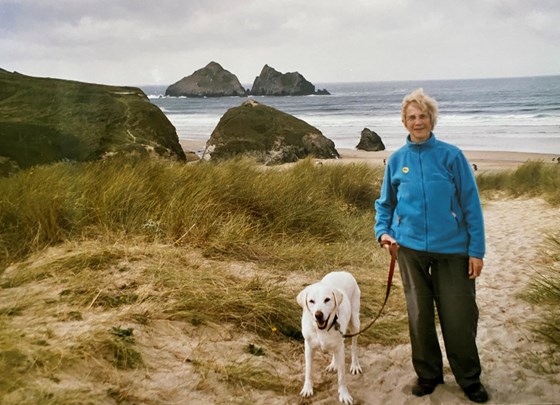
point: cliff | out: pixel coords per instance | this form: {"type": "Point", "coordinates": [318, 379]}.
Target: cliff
{"type": "Point", "coordinates": [44, 120]}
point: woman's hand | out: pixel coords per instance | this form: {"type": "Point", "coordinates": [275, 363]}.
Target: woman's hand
{"type": "Point", "coordinates": [388, 238]}
{"type": "Point", "coordinates": [475, 267]}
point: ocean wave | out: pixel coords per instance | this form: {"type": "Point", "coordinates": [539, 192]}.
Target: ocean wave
{"type": "Point", "coordinates": [473, 113]}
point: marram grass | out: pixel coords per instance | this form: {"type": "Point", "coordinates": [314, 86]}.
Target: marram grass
{"type": "Point", "coordinates": [544, 290]}
{"type": "Point", "coordinates": [533, 179]}
{"type": "Point", "coordinates": [233, 209]}
{"type": "Point", "coordinates": [97, 257]}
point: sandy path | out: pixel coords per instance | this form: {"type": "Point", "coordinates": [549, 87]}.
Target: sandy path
{"type": "Point", "coordinates": [504, 338]}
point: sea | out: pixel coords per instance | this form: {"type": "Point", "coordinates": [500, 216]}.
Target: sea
{"type": "Point", "coordinates": [500, 114]}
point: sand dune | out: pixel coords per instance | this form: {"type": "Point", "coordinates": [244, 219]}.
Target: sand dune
{"type": "Point", "coordinates": [505, 341]}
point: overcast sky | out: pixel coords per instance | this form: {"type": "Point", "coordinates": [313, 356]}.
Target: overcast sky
{"type": "Point", "coordinates": [140, 42]}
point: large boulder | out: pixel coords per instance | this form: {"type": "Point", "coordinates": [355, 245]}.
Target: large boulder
{"type": "Point", "coordinates": [269, 135]}
{"type": "Point", "coordinates": [273, 83]}
{"type": "Point", "coordinates": [370, 141]}
{"type": "Point", "coordinates": [210, 81]}
{"type": "Point", "coordinates": [45, 120]}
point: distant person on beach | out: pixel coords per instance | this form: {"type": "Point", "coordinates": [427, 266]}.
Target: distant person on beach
{"type": "Point", "coordinates": [429, 206]}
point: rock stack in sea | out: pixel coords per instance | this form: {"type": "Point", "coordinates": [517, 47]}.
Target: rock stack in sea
{"type": "Point", "coordinates": [273, 83]}
{"type": "Point", "coordinates": [267, 134]}
{"type": "Point", "coordinates": [370, 141]}
{"type": "Point", "coordinates": [210, 81]}
{"type": "Point", "coordinates": [214, 81]}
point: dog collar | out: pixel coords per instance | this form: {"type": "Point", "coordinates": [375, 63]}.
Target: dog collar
{"type": "Point", "coordinates": [335, 324]}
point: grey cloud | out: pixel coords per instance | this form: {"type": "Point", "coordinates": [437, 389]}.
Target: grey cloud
{"type": "Point", "coordinates": [330, 39]}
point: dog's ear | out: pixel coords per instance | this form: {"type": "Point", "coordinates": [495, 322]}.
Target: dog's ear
{"type": "Point", "coordinates": [302, 298]}
{"type": "Point", "coordinates": [338, 297]}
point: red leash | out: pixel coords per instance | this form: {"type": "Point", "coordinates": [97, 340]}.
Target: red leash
{"type": "Point", "coordinates": [393, 248]}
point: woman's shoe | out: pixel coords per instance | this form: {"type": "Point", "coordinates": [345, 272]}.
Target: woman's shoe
{"type": "Point", "coordinates": [476, 393]}
{"type": "Point", "coordinates": [425, 386]}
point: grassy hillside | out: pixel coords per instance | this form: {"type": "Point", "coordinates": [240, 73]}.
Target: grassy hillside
{"type": "Point", "coordinates": [45, 120]}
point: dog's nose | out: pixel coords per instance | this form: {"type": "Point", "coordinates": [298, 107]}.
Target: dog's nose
{"type": "Point", "coordinates": [319, 315]}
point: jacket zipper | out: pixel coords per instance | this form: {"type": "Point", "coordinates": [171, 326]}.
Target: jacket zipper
{"type": "Point", "coordinates": [423, 196]}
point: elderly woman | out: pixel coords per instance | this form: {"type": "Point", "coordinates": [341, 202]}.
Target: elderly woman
{"type": "Point", "coordinates": [429, 206]}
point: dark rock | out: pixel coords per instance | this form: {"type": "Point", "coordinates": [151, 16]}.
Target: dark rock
{"type": "Point", "coordinates": [46, 120]}
{"type": "Point", "coordinates": [8, 166]}
{"type": "Point", "coordinates": [273, 83]}
{"type": "Point", "coordinates": [210, 81]}
{"type": "Point", "coordinates": [370, 141]}
{"type": "Point", "coordinates": [269, 135]}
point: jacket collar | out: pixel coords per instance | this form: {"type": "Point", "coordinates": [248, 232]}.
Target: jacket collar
{"type": "Point", "coordinates": [431, 141]}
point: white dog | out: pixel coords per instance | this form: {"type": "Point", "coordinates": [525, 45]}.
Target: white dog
{"type": "Point", "coordinates": [331, 308]}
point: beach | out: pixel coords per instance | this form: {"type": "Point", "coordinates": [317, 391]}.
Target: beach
{"type": "Point", "coordinates": [484, 160]}
{"type": "Point", "coordinates": [510, 115]}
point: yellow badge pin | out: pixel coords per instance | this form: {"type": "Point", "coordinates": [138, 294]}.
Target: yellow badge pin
{"type": "Point", "coordinates": [405, 169]}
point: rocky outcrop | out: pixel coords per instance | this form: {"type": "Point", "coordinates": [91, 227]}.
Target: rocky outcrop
{"type": "Point", "coordinates": [370, 141]}
{"type": "Point", "coordinates": [46, 120]}
{"type": "Point", "coordinates": [269, 135]}
{"type": "Point", "coordinates": [210, 81]}
{"type": "Point", "coordinates": [273, 83]}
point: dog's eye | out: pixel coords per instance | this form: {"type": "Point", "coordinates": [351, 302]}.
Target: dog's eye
{"type": "Point", "coordinates": [327, 300]}
{"type": "Point", "coordinates": [312, 301]}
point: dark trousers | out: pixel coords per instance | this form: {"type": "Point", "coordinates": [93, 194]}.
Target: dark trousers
{"type": "Point", "coordinates": [442, 279]}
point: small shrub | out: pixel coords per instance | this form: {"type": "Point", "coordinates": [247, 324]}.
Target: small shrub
{"type": "Point", "coordinates": [121, 353]}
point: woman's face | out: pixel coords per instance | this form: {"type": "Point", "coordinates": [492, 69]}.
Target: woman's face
{"type": "Point", "coordinates": [418, 123]}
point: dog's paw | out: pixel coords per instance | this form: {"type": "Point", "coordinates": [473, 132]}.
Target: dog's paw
{"type": "Point", "coordinates": [355, 369]}
{"type": "Point", "coordinates": [345, 397]}
{"type": "Point", "coordinates": [306, 391]}
{"type": "Point", "coordinates": [331, 368]}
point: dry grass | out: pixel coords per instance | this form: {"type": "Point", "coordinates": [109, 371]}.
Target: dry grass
{"type": "Point", "coordinates": [153, 282]}
{"type": "Point", "coordinates": [78, 317]}
{"type": "Point", "coordinates": [534, 178]}
{"type": "Point", "coordinates": [545, 292]}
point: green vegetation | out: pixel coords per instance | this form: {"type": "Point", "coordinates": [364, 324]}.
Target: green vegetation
{"type": "Point", "coordinates": [235, 209]}
{"type": "Point", "coordinates": [544, 290]}
{"type": "Point", "coordinates": [122, 245]}
{"type": "Point", "coordinates": [116, 268]}
{"type": "Point", "coordinates": [45, 120]}
{"type": "Point", "coordinates": [267, 134]}
{"type": "Point", "coordinates": [534, 179]}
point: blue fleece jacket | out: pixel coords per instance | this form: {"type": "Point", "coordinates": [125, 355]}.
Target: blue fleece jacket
{"type": "Point", "coordinates": [429, 200]}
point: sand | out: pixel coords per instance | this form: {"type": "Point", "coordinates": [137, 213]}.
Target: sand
{"type": "Point", "coordinates": [484, 160]}
{"type": "Point", "coordinates": [515, 230]}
